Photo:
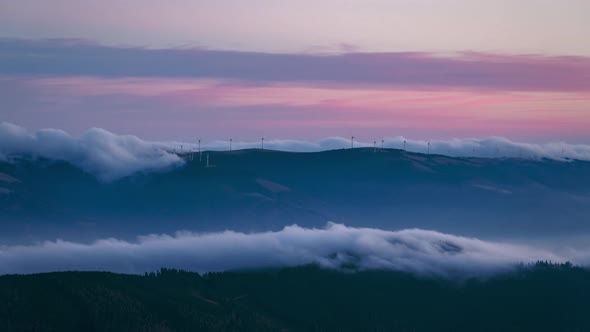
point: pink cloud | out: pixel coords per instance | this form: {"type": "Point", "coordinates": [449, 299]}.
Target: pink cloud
{"type": "Point", "coordinates": [180, 106]}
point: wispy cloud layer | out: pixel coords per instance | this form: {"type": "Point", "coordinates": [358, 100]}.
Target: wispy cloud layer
{"type": "Point", "coordinates": [110, 156]}
{"type": "Point", "coordinates": [413, 250]}
{"type": "Point", "coordinates": [464, 70]}
{"type": "Point", "coordinates": [75, 85]}
{"type": "Point", "coordinates": [162, 108]}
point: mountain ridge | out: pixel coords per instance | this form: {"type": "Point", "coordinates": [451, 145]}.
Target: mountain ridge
{"type": "Point", "coordinates": [258, 189]}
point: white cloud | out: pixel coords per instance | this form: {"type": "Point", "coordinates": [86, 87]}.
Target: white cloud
{"type": "Point", "coordinates": [413, 250]}
{"type": "Point", "coordinates": [110, 156]}
{"type": "Point", "coordinates": [104, 154]}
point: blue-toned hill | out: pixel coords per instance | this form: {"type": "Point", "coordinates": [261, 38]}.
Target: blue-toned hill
{"type": "Point", "coordinates": [260, 190]}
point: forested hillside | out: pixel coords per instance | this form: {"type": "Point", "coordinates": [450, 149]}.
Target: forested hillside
{"type": "Point", "coordinates": [543, 297]}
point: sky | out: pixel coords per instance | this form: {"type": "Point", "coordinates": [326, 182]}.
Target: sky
{"type": "Point", "coordinates": [182, 69]}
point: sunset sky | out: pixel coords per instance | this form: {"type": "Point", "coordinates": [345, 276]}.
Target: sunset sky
{"type": "Point", "coordinates": [181, 69]}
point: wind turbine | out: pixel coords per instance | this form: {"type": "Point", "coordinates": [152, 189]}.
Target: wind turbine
{"type": "Point", "coordinates": [382, 143]}
{"type": "Point", "coordinates": [428, 153]}
{"type": "Point", "coordinates": [263, 143]}
{"type": "Point", "coordinates": [200, 153]}
{"type": "Point", "coordinates": [230, 140]}
{"type": "Point", "coordinates": [352, 142]}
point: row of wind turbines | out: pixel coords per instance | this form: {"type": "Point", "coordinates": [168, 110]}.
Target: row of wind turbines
{"type": "Point", "coordinates": [383, 144]}
{"type": "Point", "coordinates": [190, 155]}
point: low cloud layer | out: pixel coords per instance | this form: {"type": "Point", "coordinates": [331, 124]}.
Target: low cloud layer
{"type": "Point", "coordinates": [412, 250]}
{"type": "Point", "coordinates": [104, 154]}
{"type": "Point", "coordinates": [110, 156]}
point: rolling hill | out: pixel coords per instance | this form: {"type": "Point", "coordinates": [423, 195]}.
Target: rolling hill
{"type": "Point", "coordinates": [252, 190]}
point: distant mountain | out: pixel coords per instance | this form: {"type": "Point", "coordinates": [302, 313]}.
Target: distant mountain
{"type": "Point", "coordinates": [543, 297]}
{"type": "Point", "coordinates": [253, 190]}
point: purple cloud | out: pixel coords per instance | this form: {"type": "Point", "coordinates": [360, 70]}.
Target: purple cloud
{"type": "Point", "coordinates": [57, 57]}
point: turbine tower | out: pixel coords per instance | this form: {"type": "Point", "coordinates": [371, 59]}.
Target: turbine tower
{"type": "Point", "coordinates": [428, 153]}
{"type": "Point", "coordinates": [404, 145]}
{"type": "Point", "coordinates": [200, 153]}
{"type": "Point", "coordinates": [263, 143]}
{"type": "Point", "coordinates": [352, 142]}
{"type": "Point", "coordinates": [230, 140]}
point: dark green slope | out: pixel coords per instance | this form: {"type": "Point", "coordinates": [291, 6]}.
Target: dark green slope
{"type": "Point", "coordinates": [78, 301]}
{"type": "Point", "coordinates": [540, 298]}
